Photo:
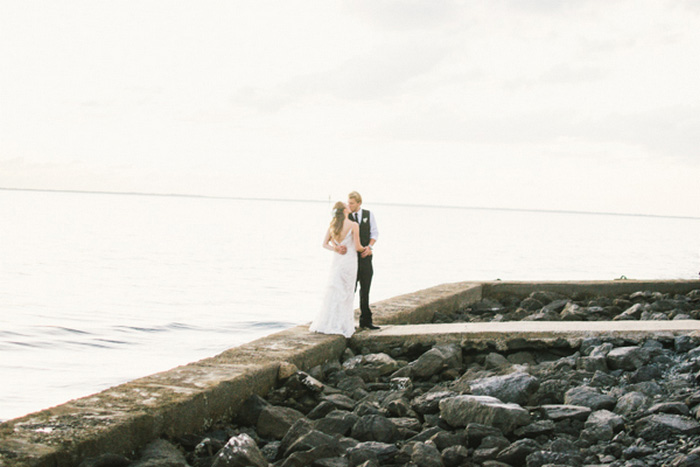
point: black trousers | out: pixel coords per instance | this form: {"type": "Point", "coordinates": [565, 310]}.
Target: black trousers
{"type": "Point", "coordinates": [364, 279]}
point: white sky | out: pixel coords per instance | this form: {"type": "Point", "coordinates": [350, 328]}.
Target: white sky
{"type": "Point", "coordinates": [585, 105]}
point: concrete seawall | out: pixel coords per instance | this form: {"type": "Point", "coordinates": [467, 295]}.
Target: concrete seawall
{"type": "Point", "coordinates": [189, 398]}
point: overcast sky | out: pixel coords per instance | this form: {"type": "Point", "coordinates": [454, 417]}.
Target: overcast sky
{"type": "Point", "coordinates": [584, 105]}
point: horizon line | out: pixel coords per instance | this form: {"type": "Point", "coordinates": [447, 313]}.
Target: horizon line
{"type": "Point", "coordinates": [436, 206]}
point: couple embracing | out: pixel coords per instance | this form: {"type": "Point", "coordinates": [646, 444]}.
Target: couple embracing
{"type": "Point", "coordinates": [352, 229]}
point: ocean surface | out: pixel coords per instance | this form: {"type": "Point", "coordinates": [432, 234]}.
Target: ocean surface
{"type": "Point", "coordinates": [98, 289]}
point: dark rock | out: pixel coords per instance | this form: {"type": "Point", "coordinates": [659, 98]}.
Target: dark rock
{"type": "Point", "coordinates": [496, 361]}
{"type": "Point", "coordinates": [308, 457]}
{"type": "Point", "coordinates": [682, 344]}
{"type": "Point", "coordinates": [646, 373]}
{"type": "Point", "coordinates": [161, 453]}
{"type": "Point", "coordinates": [531, 304]}
{"type": "Point", "coordinates": [445, 439]}
{"type": "Point", "coordinates": [632, 313]}
{"type": "Point", "coordinates": [429, 402]}
{"type": "Point", "coordinates": [515, 387]}
{"type": "Point", "coordinates": [106, 460]}
{"type": "Point", "coordinates": [271, 450]}
{"type": "Point", "coordinates": [551, 392]}
{"type": "Point", "coordinates": [408, 427]}
{"type": "Point", "coordinates": [274, 421]}
{"type": "Point", "coordinates": [426, 455]}
{"type": "Point", "coordinates": [516, 453]}
{"type": "Point", "coordinates": [296, 431]}
{"type": "Point", "coordinates": [455, 456]}
{"type": "Point", "coordinates": [542, 458]}
{"type": "Point", "coordinates": [340, 401]}
{"type": "Point", "coordinates": [589, 397]}
{"type": "Point", "coordinates": [351, 383]}
{"type": "Point", "coordinates": [459, 411]}
{"type": "Point", "coordinates": [375, 428]}
{"type": "Point", "coordinates": [321, 410]}
{"type": "Point", "coordinates": [240, 451]}
{"type": "Point", "coordinates": [476, 432]}
{"type": "Point", "coordinates": [489, 448]}
{"type": "Point", "coordinates": [677, 408]}
{"type": "Point", "coordinates": [658, 427]}
{"type": "Point", "coordinates": [627, 358]}
{"type": "Point", "coordinates": [436, 360]}
{"type": "Point", "coordinates": [382, 452]}
{"type": "Point", "coordinates": [311, 440]}
{"type": "Point", "coordinates": [250, 411]}
{"type": "Point", "coordinates": [337, 422]}
{"type": "Point", "coordinates": [533, 430]}
{"type": "Point", "coordinates": [592, 364]}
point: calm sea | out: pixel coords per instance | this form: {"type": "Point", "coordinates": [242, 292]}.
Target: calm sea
{"type": "Point", "coordinates": [99, 289]}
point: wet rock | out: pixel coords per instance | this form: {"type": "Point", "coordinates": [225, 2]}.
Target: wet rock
{"type": "Point", "coordinates": [515, 387]}
{"type": "Point", "coordinates": [240, 451]}
{"type": "Point", "coordinates": [461, 410]}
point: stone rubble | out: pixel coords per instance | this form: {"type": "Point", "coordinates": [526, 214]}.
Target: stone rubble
{"type": "Point", "coordinates": [605, 402]}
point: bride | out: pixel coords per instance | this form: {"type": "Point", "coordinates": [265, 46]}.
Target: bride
{"type": "Point", "coordinates": [336, 315]}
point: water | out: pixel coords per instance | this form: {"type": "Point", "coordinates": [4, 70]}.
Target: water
{"type": "Point", "coordinates": [99, 289]}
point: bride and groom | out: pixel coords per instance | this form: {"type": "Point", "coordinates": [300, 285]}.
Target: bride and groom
{"type": "Point", "coordinates": [352, 229]}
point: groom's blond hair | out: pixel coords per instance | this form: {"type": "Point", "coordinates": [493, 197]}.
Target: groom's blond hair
{"type": "Point", "coordinates": [356, 196]}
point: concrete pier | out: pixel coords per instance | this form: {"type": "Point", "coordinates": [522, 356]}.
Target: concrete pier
{"type": "Point", "coordinates": [191, 397]}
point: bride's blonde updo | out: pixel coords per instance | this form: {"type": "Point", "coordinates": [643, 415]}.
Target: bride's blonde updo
{"type": "Point", "coordinates": [337, 221]}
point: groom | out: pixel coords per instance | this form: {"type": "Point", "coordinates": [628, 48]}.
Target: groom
{"type": "Point", "coordinates": [368, 237]}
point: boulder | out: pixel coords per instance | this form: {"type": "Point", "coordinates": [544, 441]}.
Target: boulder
{"type": "Point", "coordinates": [515, 387]}
{"type": "Point", "coordinates": [375, 428]}
{"type": "Point", "coordinates": [436, 360]}
{"type": "Point", "coordinates": [426, 455]}
{"type": "Point", "coordinates": [428, 403]}
{"type": "Point", "coordinates": [587, 396]}
{"type": "Point", "coordinates": [274, 421]}
{"type": "Point", "coordinates": [627, 358]}
{"type": "Point", "coordinates": [558, 412]}
{"type": "Point", "coordinates": [311, 440]}
{"type": "Point", "coordinates": [630, 403]}
{"type": "Point", "coordinates": [459, 411]}
{"type": "Point", "coordinates": [455, 456]}
{"type": "Point", "coordinates": [659, 427]}
{"type": "Point", "coordinates": [382, 452]}
{"type": "Point", "coordinates": [240, 451]}
{"type": "Point", "coordinates": [338, 422]}
{"type": "Point", "coordinates": [161, 453]}
{"type": "Point", "coordinates": [516, 453]}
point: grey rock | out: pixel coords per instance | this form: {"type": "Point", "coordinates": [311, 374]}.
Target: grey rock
{"type": "Point", "coordinates": [340, 401]}
{"type": "Point", "coordinates": [658, 427]}
{"type": "Point", "coordinates": [311, 440]}
{"type": "Point", "coordinates": [428, 403]}
{"type": "Point", "coordinates": [630, 403]}
{"type": "Point", "coordinates": [459, 411]}
{"type": "Point", "coordinates": [531, 304]}
{"type": "Point", "coordinates": [455, 456]}
{"type": "Point", "coordinates": [627, 358]}
{"type": "Point", "coordinates": [516, 453]}
{"type": "Point", "coordinates": [445, 439]}
{"type": "Point", "coordinates": [375, 428]}
{"type": "Point", "coordinates": [601, 350]}
{"type": "Point", "coordinates": [274, 421]}
{"type": "Point", "coordinates": [350, 383]}
{"type": "Point", "coordinates": [515, 387]}
{"type": "Point", "coordinates": [547, 458]}
{"type": "Point", "coordinates": [337, 422]}
{"type": "Point", "coordinates": [558, 412]}
{"type": "Point", "coordinates": [535, 429]}
{"type": "Point", "coordinates": [592, 364]}
{"type": "Point", "coordinates": [476, 432]}
{"type": "Point", "coordinates": [407, 425]}
{"type": "Point", "coordinates": [296, 431]}
{"type": "Point", "coordinates": [677, 408]}
{"type": "Point", "coordinates": [426, 455]}
{"type": "Point", "coordinates": [382, 362]}
{"type": "Point", "coordinates": [573, 312]}
{"type": "Point", "coordinates": [589, 397]}
{"type": "Point", "coordinates": [494, 361]}
{"type": "Point", "coordinates": [436, 360]}
{"type": "Point", "coordinates": [382, 452]}
{"type": "Point", "coordinates": [605, 417]}
{"type": "Point", "coordinates": [161, 453]}
{"type": "Point", "coordinates": [489, 448]}
{"type": "Point", "coordinates": [309, 457]}
{"type": "Point", "coordinates": [240, 451]}
{"type": "Point", "coordinates": [632, 313]}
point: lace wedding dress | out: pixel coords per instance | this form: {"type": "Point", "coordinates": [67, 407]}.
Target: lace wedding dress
{"type": "Point", "coordinates": [336, 315]}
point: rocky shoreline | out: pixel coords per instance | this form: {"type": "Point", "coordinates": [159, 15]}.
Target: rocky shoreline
{"type": "Point", "coordinates": [600, 401]}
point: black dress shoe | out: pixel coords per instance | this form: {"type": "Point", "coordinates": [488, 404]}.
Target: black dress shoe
{"type": "Point", "coordinates": [368, 326]}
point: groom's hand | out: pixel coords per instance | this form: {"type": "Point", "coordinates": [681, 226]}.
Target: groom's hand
{"type": "Point", "coordinates": [366, 252]}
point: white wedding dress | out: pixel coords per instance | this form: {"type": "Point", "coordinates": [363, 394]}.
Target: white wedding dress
{"type": "Point", "coordinates": [336, 315]}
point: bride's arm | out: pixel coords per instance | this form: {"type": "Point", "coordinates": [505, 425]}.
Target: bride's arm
{"type": "Point", "coordinates": [329, 243]}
